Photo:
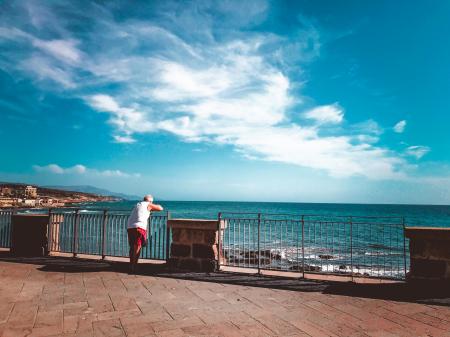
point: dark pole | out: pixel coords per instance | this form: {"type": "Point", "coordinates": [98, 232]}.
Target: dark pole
{"type": "Point", "coordinates": [259, 240]}
{"type": "Point", "coordinates": [303, 245]}
{"type": "Point", "coordinates": [404, 245]}
{"type": "Point", "coordinates": [105, 221]}
{"type": "Point", "coordinates": [50, 231]}
{"type": "Point", "coordinates": [167, 237]}
{"type": "Point", "coordinates": [219, 248]}
{"type": "Point", "coordinates": [75, 232]}
{"type": "Point", "coordinates": [351, 246]}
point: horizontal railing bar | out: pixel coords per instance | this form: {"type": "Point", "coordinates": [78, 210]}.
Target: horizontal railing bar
{"type": "Point", "coordinates": [319, 215]}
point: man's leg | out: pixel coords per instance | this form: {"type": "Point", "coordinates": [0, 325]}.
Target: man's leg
{"type": "Point", "coordinates": [134, 256]}
{"type": "Point", "coordinates": [133, 242]}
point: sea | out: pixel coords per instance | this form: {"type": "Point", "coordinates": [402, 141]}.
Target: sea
{"type": "Point", "coordinates": [414, 215]}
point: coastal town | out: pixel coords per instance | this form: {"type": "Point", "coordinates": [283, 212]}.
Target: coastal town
{"type": "Point", "coordinates": [14, 195]}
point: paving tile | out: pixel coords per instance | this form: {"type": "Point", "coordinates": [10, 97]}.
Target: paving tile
{"type": "Point", "coordinates": [78, 323]}
{"type": "Point", "coordinates": [108, 328]}
{"type": "Point", "coordinates": [5, 311]}
{"type": "Point", "coordinates": [217, 330]}
{"type": "Point", "coordinates": [121, 302]}
{"type": "Point", "coordinates": [16, 332]}
{"type": "Point", "coordinates": [172, 333]}
{"type": "Point", "coordinates": [99, 306]}
{"type": "Point", "coordinates": [409, 323]}
{"type": "Point", "coordinates": [279, 326]}
{"type": "Point", "coordinates": [177, 324]}
{"type": "Point", "coordinates": [23, 314]}
{"type": "Point", "coordinates": [118, 314]}
{"type": "Point", "coordinates": [52, 318]}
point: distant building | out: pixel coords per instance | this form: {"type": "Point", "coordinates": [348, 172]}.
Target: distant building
{"type": "Point", "coordinates": [6, 191]}
{"type": "Point", "coordinates": [47, 201]}
{"type": "Point", "coordinates": [30, 192]}
{"type": "Point", "coordinates": [29, 202]}
{"type": "Point", "coordinates": [9, 201]}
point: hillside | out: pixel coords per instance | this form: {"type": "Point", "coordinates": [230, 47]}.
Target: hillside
{"type": "Point", "coordinates": [94, 190]}
{"type": "Point", "coordinates": [64, 194]}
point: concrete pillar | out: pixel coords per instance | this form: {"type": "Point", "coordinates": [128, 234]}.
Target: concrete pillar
{"type": "Point", "coordinates": [29, 235]}
{"type": "Point", "coordinates": [195, 244]}
{"type": "Point", "coordinates": [429, 253]}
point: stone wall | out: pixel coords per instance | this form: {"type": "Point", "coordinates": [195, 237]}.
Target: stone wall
{"type": "Point", "coordinates": [194, 244]}
{"type": "Point", "coordinates": [429, 253]}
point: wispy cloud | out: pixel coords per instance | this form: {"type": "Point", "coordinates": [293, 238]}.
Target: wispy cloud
{"type": "Point", "coordinates": [199, 72]}
{"type": "Point", "coordinates": [54, 168]}
{"type": "Point", "coordinates": [417, 151]}
{"type": "Point", "coordinates": [326, 114]}
{"type": "Point", "coordinates": [81, 169]}
{"type": "Point", "coordinates": [400, 126]}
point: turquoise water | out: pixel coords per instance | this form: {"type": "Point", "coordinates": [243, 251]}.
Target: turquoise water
{"type": "Point", "coordinates": [415, 215]}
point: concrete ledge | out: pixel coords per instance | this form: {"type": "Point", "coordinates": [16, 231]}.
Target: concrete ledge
{"type": "Point", "coordinates": [429, 249]}
{"type": "Point", "coordinates": [434, 233]}
{"type": "Point", "coordinates": [193, 224]}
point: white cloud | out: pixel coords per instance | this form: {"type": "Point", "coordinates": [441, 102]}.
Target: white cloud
{"type": "Point", "coordinates": [400, 126]}
{"type": "Point", "coordinates": [126, 120]}
{"type": "Point", "coordinates": [104, 103]}
{"type": "Point", "coordinates": [238, 98]}
{"type": "Point", "coordinates": [64, 50]}
{"type": "Point", "coordinates": [417, 151]}
{"type": "Point", "coordinates": [81, 169]}
{"type": "Point", "coordinates": [202, 79]}
{"type": "Point", "coordinates": [124, 139]}
{"type": "Point", "coordinates": [326, 114]}
{"type": "Point", "coordinates": [44, 69]}
{"type": "Point", "coordinates": [54, 168]}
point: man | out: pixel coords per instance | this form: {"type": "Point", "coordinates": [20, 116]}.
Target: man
{"type": "Point", "coordinates": [137, 228]}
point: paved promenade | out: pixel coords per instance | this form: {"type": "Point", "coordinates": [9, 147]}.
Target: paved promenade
{"type": "Point", "coordinates": [62, 297]}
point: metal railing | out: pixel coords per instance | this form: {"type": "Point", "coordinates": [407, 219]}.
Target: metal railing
{"type": "Point", "coordinates": [344, 245]}
{"type": "Point", "coordinates": [96, 232]}
{"type": "Point", "coordinates": [5, 228]}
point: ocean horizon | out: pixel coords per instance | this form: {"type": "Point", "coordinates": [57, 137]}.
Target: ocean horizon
{"type": "Point", "coordinates": [414, 215]}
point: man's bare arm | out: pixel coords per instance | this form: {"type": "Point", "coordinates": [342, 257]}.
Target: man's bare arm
{"type": "Point", "coordinates": [155, 207]}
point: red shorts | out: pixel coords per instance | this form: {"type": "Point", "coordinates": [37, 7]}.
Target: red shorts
{"type": "Point", "coordinates": [137, 236]}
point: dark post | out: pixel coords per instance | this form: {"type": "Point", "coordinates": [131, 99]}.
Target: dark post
{"type": "Point", "coordinates": [219, 246]}
{"type": "Point", "coordinates": [259, 243]}
{"type": "Point", "coordinates": [351, 247]}
{"type": "Point", "coordinates": [167, 237]}
{"type": "Point", "coordinates": [75, 232]}
{"type": "Point", "coordinates": [50, 230]}
{"type": "Point", "coordinates": [303, 245]}
{"type": "Point", "coordinates": [404, 245]}
{"type": "Point", "coordinates": [105, 221]}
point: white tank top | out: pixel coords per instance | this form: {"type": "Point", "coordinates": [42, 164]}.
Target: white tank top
{"type": "Point", "coordinates": [139, 216]}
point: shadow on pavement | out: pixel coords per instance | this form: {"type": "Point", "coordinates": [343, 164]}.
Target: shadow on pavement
{"type": "Point", "coordinates": [437, 293]}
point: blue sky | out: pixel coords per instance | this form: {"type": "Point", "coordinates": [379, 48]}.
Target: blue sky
{"type": "Point", "coordinates": [309, 101]}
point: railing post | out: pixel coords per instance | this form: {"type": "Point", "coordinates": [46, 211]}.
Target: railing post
{"type": "Point", "coordinates": [404, 245]}
{"type": "Point", "coordinates": [75, 232]}
{"type": "Point", "coordinates": [105, 221]}
{"type": "Point", "coordinates": [219, 248]}
{"type": "Point", "coordinates": [50, 231]}
{"type": "Point", "coordinates": [14, 212]}
{"type": "Point", "coordinates": [259, 243]}
{"type": "Point", "coordinates": [167, 237]}
{"type": "Point", "coordinates": [303, 245]}
{"type": "Point", "coordinates": [351, 247]}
